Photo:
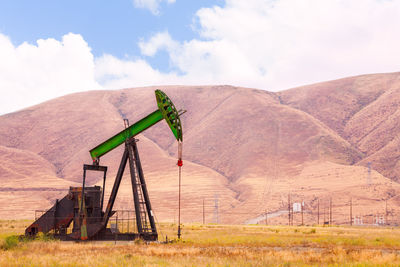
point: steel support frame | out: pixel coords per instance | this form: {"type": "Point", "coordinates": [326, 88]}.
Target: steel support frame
{"type": "Point", "coordinates": [131, 153]}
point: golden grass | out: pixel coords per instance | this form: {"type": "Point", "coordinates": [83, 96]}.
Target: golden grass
{"type": "Point", "coordinates": [217, 245]}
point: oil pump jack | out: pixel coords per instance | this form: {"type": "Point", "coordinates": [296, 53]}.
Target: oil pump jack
{"type": "Point", "coordinates": [83, 206]}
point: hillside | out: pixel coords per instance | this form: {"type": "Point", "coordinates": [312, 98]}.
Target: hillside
{"type": "Point", "coordinates": [249, 147]}
{"type": "Point", "coordinates": [364, 110]}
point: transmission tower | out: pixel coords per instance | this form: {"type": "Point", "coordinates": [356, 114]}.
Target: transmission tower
{"type": "Point", "coordinates": [369, 173]}
{"type": "Point", "coordinates": [216, 216]}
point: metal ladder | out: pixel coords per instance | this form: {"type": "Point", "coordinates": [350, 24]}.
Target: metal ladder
{"type": "Point", "coordinates": [142, 206]}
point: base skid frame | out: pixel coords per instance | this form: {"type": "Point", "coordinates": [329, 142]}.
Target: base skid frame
{"type": "Point", "coordinates": [108, 235]}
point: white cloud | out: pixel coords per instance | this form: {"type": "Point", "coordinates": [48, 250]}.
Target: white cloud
{"type": "Point", "coordinates": [114, 73]}
{"type": "Point", "coordinates": [284, 43]}
{"type": "Point", "coordinates": [152, 5]}
{"type": "Point", "coordinates": [32, 73]}
{"type": "Point", "coordinates": [161, 40]}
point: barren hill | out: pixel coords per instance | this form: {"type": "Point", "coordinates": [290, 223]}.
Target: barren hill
{"type": "Point", "coordinates": [364, 110]}
{"type": "Point", "coordinates": [249, 148]}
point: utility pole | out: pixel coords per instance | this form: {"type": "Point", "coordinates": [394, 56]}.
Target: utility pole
{"type": "Point", "coordinates": [302, 216]}
{"type": "Point", "coordinates": [386, 212]}
{"type": "Point", "coordinates": [204, 217]}
{"type": "Point", "coordinates": [318, 213]}
{"type": "Point", "coordinates": [351, 211]}
{"type": "Point", "coordinates": [289, 208]}
{"type": "Point", "coordinates": [330, 211]}
{"type": "Point", "coordinates": [266, 217]}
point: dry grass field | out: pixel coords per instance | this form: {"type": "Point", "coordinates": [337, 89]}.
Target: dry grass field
{"type": "Point", "coordinates": [213, 245]}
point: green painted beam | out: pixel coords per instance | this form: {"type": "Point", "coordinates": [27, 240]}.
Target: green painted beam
{"type": "Point", "coordinates": [129, 132]}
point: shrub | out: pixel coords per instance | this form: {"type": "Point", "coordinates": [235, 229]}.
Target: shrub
{"type": "Point", "coordinates": [10, 242]}
{"type": "Point", "coordinates": [312, 231]}
{"type": "Point", "coordinates": [44, 237]}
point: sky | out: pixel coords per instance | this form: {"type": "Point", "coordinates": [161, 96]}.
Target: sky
{"type": "Point", "coordinates": [52, 48]}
